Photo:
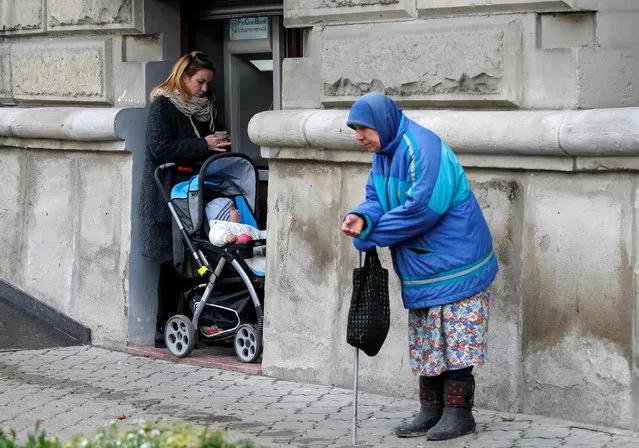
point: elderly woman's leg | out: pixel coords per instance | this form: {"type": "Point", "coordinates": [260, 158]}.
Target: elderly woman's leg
{"type": "Point", "coordinates": [431, 399]}
{"type": "Point", "coordinates": [457, 418]}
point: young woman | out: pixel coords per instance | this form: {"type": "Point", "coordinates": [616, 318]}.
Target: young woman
{"type": "Point", "coordinates": [180, 128]}
{"type": "Point", "coordinates": [419, 203]}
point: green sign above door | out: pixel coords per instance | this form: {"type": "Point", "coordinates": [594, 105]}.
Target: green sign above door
{"type": "Point", "coordinates": [244, 28]}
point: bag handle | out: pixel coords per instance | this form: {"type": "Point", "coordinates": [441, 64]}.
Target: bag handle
{"type": "Point", "coordinates": [371, 258]}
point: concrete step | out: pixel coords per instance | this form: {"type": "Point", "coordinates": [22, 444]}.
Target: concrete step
{"type": "Point", "coordinates": [22, 331]}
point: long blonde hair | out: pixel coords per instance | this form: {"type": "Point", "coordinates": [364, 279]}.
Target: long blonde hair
{"type": "Point", "coordinates": [190, 64]}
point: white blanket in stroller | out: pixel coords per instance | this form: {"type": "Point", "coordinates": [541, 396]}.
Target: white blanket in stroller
{"type": "Point", "coordinates": [220, 229]}
{"type": "Point", "coordinates": [218, 214]}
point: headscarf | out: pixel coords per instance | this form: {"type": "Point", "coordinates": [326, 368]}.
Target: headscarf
{"type": "Point", "coordinates": [199, 108]}
{"type": "Point", "coordinates": [377, 111]}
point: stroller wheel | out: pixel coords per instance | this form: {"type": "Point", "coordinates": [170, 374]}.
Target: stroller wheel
{"type": "Point", "coordinates": [248, 343]}
{"type": "Point", "coordinates": [180, 336]}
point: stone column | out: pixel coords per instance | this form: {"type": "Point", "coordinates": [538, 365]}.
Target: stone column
{"type": "Point", "coordinates": [65, 220]}
{"type": "Point", "coordinates": [75, 62]}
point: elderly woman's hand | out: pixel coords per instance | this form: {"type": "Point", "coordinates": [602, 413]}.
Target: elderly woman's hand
{"type": "Point", "coordinates": [353, 225]}
{"type": "Point", "coordinates": [217, 142]}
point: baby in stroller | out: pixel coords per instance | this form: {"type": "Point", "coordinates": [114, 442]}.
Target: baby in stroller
{"type": "Point", "coordinates": [226, 226]}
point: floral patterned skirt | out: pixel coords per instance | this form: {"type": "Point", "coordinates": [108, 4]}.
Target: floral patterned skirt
{"type": "Point", "coordinates": [448, 337]}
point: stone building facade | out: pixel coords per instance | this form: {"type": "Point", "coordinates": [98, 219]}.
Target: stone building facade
{"type": "Point", "coordinates": [540, 99]}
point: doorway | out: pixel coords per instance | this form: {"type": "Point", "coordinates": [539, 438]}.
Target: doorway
{"type": "Point", "coordinates": [205, 25]}
{"type": "Point", "coordinates": [253, 49]}
{"type": "Point", "coordinates": [247, 49]}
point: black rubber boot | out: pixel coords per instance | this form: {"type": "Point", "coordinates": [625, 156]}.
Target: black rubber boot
{"type": "Point", "coordinates": [431, 391]}
{"type": "Point", "coordinates": [457, 419]}
{"type": "Point", "coordinates": [425, 419]}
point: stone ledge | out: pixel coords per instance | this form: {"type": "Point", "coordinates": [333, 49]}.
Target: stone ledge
{"type": "Point", "coordinates": [61, 145]}
{"type": "Point", "coordinates": [60, 128]}
{"type": "Point", "coordinates": [552, 140]}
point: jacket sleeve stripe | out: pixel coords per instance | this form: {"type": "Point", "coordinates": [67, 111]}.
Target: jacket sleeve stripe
{"type": "Point", "coordinates": [453, 274]}
{"type": "Point", "coordinates": [445, 185]}
{"type": "Point", "coordinates": [413, 164]}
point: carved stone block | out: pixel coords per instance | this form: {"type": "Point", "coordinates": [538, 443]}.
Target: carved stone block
{"type": "Point", "coordinates": [424, 62]}
{"type": "Point", "coordinates": [5, 71]}
{"type": "Point", "coordinates": [21, 17]}
{"type": "Point", "coordinates": [141, 48]}
{"type": "Point", "coordinates": [607, 77]}
{"type": "Point", "coordinates": [300, 84]}
{"type": "Point", "coordinates": [93, 14]}
{"type": "Point", "coordinates": [62, 70]}
{"type": "Point", "coordinates": [309, 12]}
{"type": "Point", "coordinates": [571, 30]}
{"type": "Point", "coordinates": [440, 7]}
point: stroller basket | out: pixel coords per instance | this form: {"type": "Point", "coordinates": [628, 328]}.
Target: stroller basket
{"type": "Point", "coordinates": [222, 314]}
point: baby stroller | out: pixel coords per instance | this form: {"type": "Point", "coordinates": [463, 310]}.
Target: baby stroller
{"type": "Point", "coordinates": [226, 306]}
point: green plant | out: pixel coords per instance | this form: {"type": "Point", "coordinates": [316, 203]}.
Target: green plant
{"type": "Point", "coordinates": [37, 439]}
{"type": "Point", "coordinates": [142, 435]}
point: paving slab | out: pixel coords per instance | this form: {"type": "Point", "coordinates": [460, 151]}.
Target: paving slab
{"type": "Point", "coordinates": [81, 388]}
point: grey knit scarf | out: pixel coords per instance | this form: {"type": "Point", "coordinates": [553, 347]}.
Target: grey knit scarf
{"type": "Point", "coordinates": [199, 108]}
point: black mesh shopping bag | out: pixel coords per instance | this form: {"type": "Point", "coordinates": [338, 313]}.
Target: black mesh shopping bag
{"type": "Point", "coordinates": [369, 312]}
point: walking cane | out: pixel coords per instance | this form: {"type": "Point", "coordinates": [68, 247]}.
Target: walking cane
{"type": "Point", "coordinates": [355, 381]}
{"type": "Point", "coordinates": [355, 396]}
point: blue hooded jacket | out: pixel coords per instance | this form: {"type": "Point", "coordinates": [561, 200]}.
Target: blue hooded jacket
{"type": "Point", "coordinates": [419, 203]}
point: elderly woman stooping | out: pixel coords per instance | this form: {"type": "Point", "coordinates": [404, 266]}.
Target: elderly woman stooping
{"type": "Point", "coordinates": [180, 128]}
{"type": "Point", "coordinates": [419, 204]}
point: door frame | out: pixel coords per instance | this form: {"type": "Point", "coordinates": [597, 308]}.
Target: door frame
{"type": "Point", "coordinates": [274, 44]}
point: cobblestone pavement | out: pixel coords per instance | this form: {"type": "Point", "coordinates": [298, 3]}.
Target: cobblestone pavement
{"type": "Point", "coordinates": [78, 389]}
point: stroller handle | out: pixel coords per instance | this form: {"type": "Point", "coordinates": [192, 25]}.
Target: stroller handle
{"type": "Point", "coordinates": [158, 181]}
{"type": "Point", "coordinates": [166, 166]}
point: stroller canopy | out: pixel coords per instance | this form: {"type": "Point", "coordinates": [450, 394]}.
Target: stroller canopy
{"type": "Point", "coordinates": [232, 174]}
{"type": "Point", "coordinates": [222, 175]}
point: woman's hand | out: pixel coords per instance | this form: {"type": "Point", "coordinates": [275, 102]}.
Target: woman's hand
{"type": "Point", "coordinates": [353, 225]}
{"type": "Point", "coordinates": [217, 142]}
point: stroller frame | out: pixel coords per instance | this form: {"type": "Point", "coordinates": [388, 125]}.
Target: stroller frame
{"type": "Point", "coordinates": [182, 333]}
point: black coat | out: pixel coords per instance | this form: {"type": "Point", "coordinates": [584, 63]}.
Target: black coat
{"type": "Point", "coordinates": [169, 138]}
